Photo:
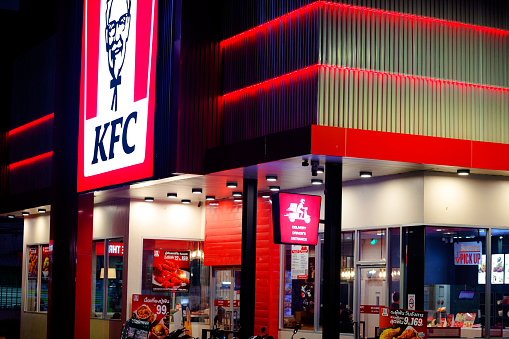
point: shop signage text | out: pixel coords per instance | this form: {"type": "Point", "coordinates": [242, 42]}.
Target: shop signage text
{"type": "Point", "coordinates": [116, 134]}
{"type": "Point", "coordinates": [370, 309]}
{"type": "Point", "coordinates": [467, 253]}
{"type": "Point", "coordinates": [114, 249]}
{"type": "Point", "coordinates": [295, 218]}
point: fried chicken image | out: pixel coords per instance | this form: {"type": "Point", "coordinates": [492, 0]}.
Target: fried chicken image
{"type": "Point", "coordinates": [390, 333]}
{"type": "Point", "coordinates": [407, 334]}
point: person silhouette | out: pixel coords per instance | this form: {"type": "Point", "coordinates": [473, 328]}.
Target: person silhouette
{"type": "Point", "coordinates": [118, 21]}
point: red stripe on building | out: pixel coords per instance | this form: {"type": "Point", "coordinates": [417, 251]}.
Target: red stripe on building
{"type": "Point", "coordinates": [32, 160]}
{"type": "Point", "coordinates": [31, 124]}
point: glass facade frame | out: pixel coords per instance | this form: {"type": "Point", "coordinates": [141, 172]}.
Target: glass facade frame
{"type": "Point", "coordinates": [39, 279]}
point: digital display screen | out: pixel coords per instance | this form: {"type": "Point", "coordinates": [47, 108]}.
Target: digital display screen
{"type": "Point", "coordinates": [468, 295]}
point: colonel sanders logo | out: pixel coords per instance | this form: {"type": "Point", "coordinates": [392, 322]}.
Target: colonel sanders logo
{"type": "Point", "coordinates": [118, 21]}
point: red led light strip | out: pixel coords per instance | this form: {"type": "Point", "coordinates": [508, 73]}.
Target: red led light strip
{"type": "Point", "coordinates": [274, 22]}
{"type": "Point", "coordinates": [287, 76]}
{"type": "Point", "coordinates": [31, 124]}
{"type": "Point", "coordinates": [30, 160]}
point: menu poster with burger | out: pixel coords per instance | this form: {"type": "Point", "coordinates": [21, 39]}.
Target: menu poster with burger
{"type": "Point", "coordinates": [33, 257]}
{"type": "Point", "coordinates": [170, 271]}
{"type": "Point", "coordinates": [156, 310]}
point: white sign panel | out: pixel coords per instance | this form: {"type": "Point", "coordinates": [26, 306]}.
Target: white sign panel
{"type": "Point", "coordinates": [411, 302]}
{"type": "Point", "coordinates": [300, 261]}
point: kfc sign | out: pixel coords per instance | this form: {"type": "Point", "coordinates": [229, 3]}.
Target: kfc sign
{"type": "Point", "coordinates": [118, 62]}
{"type": "Point", "coordinates": [295, 218]}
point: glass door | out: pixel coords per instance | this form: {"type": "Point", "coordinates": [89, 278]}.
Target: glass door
{"type": "Point", "coordinates": [372, 294]}
{"type": "Point", "coordinates": [226, 298]}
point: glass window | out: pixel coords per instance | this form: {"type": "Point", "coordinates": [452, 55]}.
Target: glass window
{"type": "Point", "coordinates": [499, 298]}
{"type": "Point", "coordinates": [453, 290]}
{"type": "Point", "coordinates": [299, 287]}
{"type": "Point", "coordinates": [372, 245]}
{"type": "Point", "coordinates": [32, 278]}
{"type": "Point", "coordinates": [395, 255]}
{"type": "Point", "coordinates": [115, 270]}
{"type": "Point", "coordinates": [97, 278]}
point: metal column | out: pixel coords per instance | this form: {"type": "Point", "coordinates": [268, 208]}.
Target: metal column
{"type": "Point", "coordinates": [332, 249]}
{"type": "Point", "coordinates": [248, 258]}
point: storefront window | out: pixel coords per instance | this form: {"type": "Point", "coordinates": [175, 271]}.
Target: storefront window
{"type": "Point", "coordinates": [299, 287]}
{"type": "Point", "coordinates": [227, 298]}
{"type": "Point", "coordinates": [372, 245]}
{"type": "Point", "coordinates": [394, 253]}
{"type": "Point", "coordinates": [454, 290]}
{"type": "Point", "coordinates": [499, 298]}
{"type": "Point", "coordinates": [189, 284]}
{"type": "Point", "coordinates": [107, 283]}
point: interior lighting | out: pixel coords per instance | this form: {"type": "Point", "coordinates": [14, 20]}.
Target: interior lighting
{"type": "Point", "coordinates": [320, 169]}
{"type": "Point", "coordinates": [237, 200]}
{"type": "Point", "coordinates": [231, 184]}
{"type": "Point", "coordinates": [365, 174]}
{"type": "Point", "coordinates": [237, 194]}
{"type": "Point", "coordinates": [10, 216]}
{"type": "Point", "coordinates": [214, 204]}
{"type": "Point", "coordinates": [210, 197]}
{"type": "Point", "coordinates": [171, 195]}
{"type": "Point", "coordinates": [25, 213]}
{"type": "Point", "coordinates": [271, 177]}
{"type": "Point", "coordinates": [316, 181]}
{"type": "Point", "coordinates": [265, 195]}
{"type": "Point", "coordinates": [274, 188]}
{"type": "Point", "coordinates": [41, 210]}
{"type": "Point", "coordinates": [463, 172]}
{"type": "Point", "coordinates": [501, 237]}
{"type": "Point", "coordinates": [185, 201]}
{"type": "Point", "coordinates": [196, 190]}
{"type": "Point", "coordinates": [149, 199]}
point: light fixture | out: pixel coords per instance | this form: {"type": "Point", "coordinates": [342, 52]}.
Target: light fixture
{"type": "Point", "coordinates": [237, 194]}
{"type": "Point", "coordinates": [271, 177]}
{"type": "Point", "coordinates": [320, 169]}
{"type": "Point", "coordinates": [149, 199]}
{"type": "Point", "coordinates": [231, 184]}
{"type": "Point", "coordinates": [365, 174]}
{"type": "Point", "coordinates": [171, 195]}
{"type": "Point", "coordinates": [210, 197]}
{"type": "Point", "coordinates": [10, 216]}
{"type": "Point", "coordinates": [237, 200]}
{"type": "Point", "coordinates": [265, 195]}
{"type": "Point", "coordinates": [214, 204]}
{"type": "Point", "coordinates": [274, 188]}
{"type": "Point", "coordinates": [316, 181]}
{"type": "Point", "coordinates": [25, 213]}
{"type": "Point", "coordinates": [501, 237]}
{"type": "Point", "coordinates": [185, 201]}
{"type": "Point", "coordinates": [41, 210]}
{"type": "Point", "coordinates": [305, 162]}
{"type": "Point", "coordinates": [196, 190]}
{"type": "Point", "coordinates": [463, 171]}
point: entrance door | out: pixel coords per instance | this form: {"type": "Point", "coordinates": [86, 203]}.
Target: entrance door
{"type": "Point", "coordinates": [226, 298]}
{"type": "Point", "coordinates": [372, 290]}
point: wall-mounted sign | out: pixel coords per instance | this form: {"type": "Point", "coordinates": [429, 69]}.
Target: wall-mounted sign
{"type": "Point", "coordinates": [114, 249]}
{"type": "Point", "coordinates": [467, 253]}
{"type": "Point", "coordinates": [300, 262]}
{"type": "Point", "coordinates": [171, 271]}
{"type": "Point", "coordinates": [295, 218]}
{"type": "Point", "coordinates": [156, 310]}
{"type": "Point", "coordinates": [118, 62]}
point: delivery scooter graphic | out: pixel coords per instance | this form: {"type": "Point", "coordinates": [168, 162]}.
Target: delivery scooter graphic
{"type": "Point", "coordinates": [298, 212]}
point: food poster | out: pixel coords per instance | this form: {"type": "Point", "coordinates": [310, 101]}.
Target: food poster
{"type": "Point", "coordinates": [156, 310]}
{"type": "Point", "coordinates": [45, 262]}
{"type": "Point", "coordinates": [402, 324]}
{"type": "Point", "coordinates": [468, 320]}
{"type": "Point", "coordinates": [497, 272]}
{"type": "Point", "coordinates": [481, 275]}
{"type": "Point", "coordinates": [450, 319]}
{"type": "Point", "coordinates": [507, 269]}
{"type": "Point", "coordinates": [300, 262]}
{"type": "Point", "coordinates": [44, 277]}
{"type": "Point", "coordinates": [170, 271]}
{"type": "Point", "coordinates": [33, 257]}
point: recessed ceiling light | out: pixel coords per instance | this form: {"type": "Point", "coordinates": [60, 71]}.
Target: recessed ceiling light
{"type": "Point", "coordinates": [171, 195]}
{"type": "Point", "coordinates": [463, 172]}
{"type": "Point", "coordinates": [231, 184]}
{"type": "Point", "coordinates": [214, 204]}
{"type": "Point", "coordinates": [365, 174]}
{"type": "Point", "coordinates": [25, 213]}
{"type": "Point", "coordinates": [149, 199]}
{"type": "Point", "coordinates": [316, 181]}
{"type": "Point", "coordinates": [320, 169]}
{"type": "Point", "coordinates": [271, 177]}
{"type": "Point", "coordinates": [10, 216]}
{"type": "Point", "coordinates": [237, 200]}
{"type": "Point", "coordinates": [265, 195]}
{"type": "Point", "coordinates": [439, 230]}
{"type": "Point", "coordinates": [41, 210]}
{"type": "Point", "coordinates": [274, 188]}
{"type": "Point", "coordinates": [197, 190]}
{"type": "Point", "coordinates": [237, 194]}
{"type": "Point", "coordinates": [186, 201]}
{"type": "Point", "coordinates": [210, 197]}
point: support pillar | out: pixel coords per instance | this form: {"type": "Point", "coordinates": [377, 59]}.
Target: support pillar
{"type": "Point", "coordinates": [332, 249]}
{"type": "Point", "coordinates": [248, 258]}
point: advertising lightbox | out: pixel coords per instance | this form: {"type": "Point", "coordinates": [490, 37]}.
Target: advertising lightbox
{"type": "Point", "coordinates": [116, 122]}
{"type": "Point", "coordinates": [295, 218]}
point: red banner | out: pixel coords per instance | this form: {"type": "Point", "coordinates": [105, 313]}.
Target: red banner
{"type": "Point", "coordinates": [370, 309]}
{"type": "Point", "coordinates": [156, 310]}
{"type": "Point", "coordinates": [395, 323]}
{"type": "Point", "coordinates": [171, 271]}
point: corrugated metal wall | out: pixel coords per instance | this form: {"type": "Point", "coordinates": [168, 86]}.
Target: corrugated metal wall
{"type": "Point", "coordinates": [365, 39]}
